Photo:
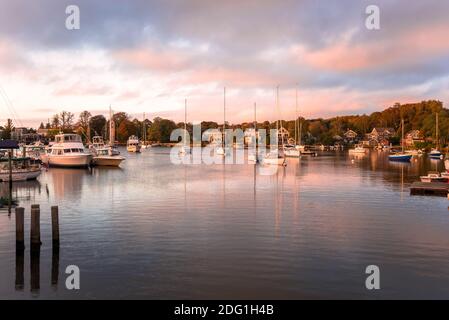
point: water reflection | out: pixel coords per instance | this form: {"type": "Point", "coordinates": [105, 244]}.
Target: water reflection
{"type": "Point", "coordinates": [156, 230]}
{"type": "Point", "coordinates": [20, 266]}
{"type": "Point", "coordinates": [55, 267]}
{"type": "Point", "coordinates": [35, 272]}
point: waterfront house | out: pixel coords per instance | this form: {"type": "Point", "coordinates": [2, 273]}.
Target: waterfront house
{"type": "Point", "coordinates": [283, 134]}
{"type": "Point", "coordinates": [350, 135]}
{"type": "Point", "coordinates": [212, 136]}
{"type": "Point", "coordinates": [412, 137]}
{"type": "Point", "coordinates": [380, 136]}
{"type": "Point", "coordinates": [249, 135]}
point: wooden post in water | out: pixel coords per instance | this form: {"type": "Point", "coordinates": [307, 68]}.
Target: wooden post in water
{"type": "Point", "coordinates": [35, 228]}
{"type": "Point", "coordinates": [55, 225]}
{"type": "Point", "coordinates": [10, 181]}
{"type": "Point", "coordinates": [20, 228]}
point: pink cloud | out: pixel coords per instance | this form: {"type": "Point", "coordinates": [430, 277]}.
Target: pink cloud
{"type": "Point", "coordinates": [164, 60]}
{"type": "Point", "coordinates": [417, 43]}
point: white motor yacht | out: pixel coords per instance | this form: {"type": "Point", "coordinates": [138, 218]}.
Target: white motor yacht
{"type": "Point", "coordinates": [67, 151]}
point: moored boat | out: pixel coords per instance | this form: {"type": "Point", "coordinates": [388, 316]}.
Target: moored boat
{"type": "Point", "coordinates": [401, 156]}
{"type": "Point", "coordinates": [67, 151]}
{"type": "Point", "coordinates": [23, 169]}
{"type": "Point", "coordinates": [435, 154]}
{"type": "Point", "coordinates": [133, 144]}
{"type": "Point", "coordinates": [434, 177]}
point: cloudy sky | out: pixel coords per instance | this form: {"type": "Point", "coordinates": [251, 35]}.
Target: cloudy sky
{"type": "Point", "coordinates": [148, 56]}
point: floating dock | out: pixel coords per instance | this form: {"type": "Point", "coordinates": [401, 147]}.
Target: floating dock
{"type": "Point", "coordinates": [430, 188]}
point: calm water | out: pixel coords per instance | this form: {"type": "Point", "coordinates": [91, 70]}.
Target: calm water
{"type": "Point", "coordinates": [156, 230]}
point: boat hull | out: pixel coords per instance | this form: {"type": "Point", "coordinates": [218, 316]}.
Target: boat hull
{"type": "Point", "coordinates": [70, 161]}
{"type": "Point", "coordinates": [20, 176]}
{"type": "Point", "coordinates": [400, 158]}
{"type": "Point", "coordinates": [134, 149]}
{"type": "Point", "coordinates": [107, 161]}
{"type": "Point", "coordinates": [293, 153]}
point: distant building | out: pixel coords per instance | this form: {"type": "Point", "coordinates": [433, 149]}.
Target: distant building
{"type": "Point", "coordinates": [18, 133]}
{"type": "Point", "coordinates": [412, 137]}
{"type": "Point", "coordinates": [283, 134]}
{"type": "Point", "coordinates": [381, 133]}
{"type": "Point", "coordinates": [249, 135]}
{"type": "Point", "coordinates": [213, 136]}
{"type": "Point", "coordinates": [350, 135]}
{"type": "Point", "coordinates": [43, 132]}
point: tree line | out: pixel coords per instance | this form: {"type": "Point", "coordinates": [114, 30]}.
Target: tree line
{"type": "Point", "coordinates": [417, 116]}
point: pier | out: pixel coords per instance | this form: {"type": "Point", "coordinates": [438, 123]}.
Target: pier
{"type": "Point", "coordinates": [430, 188]}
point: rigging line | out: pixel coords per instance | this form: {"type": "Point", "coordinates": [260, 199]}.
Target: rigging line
{"type": "Point", "coordinates": [15, 116]}
{"type": "Point", "coordinates": [12, 108]}
{"type": "Point", "coordinates": [7, 106]}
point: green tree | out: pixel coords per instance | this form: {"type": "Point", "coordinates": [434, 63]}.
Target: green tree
{"type": "Point", "coordinates": [8, 129]}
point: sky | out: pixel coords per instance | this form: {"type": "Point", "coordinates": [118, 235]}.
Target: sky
{"type": "Point", "coordinates": [148, 56]}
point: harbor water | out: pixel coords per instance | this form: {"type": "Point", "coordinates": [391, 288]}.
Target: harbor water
{"type": "Point", "coordinates": [156, 230]}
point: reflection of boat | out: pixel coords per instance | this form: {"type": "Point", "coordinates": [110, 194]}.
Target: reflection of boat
{"type": "Point", "coordinates": [401, 156]}
{"type": "Point", "coordinates": [358, 149]}
{"type": "Point", "coordinates": [274, 159]}
{"type": "Point", "coordinates": [133, 144]}
{"type": "Point", "coordinates": [433, 177]}
{"type": "Point", "coordinates": [23, 169]}
{"type": "Point", "coordinates": [68, 151]}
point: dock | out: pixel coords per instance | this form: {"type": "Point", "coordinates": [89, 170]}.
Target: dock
{"type": "Point", "coordinates": [430, 188]}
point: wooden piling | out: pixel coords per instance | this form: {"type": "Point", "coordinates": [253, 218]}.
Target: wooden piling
{"type": "Point", "coordinates": [35, 228]}
{"type": "Point", "coordinates": [55, 225]}
{"type": "Point", "coordinates": [20, 230]}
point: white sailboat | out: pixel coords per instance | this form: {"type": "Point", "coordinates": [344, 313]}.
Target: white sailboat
{"type": "Point", "coordinates": [23, 169]}
{"type": "Point", "coordinates": [144, 134]}
{"type": "Point", "coordinates": [294, 151]}
{"type": "Point", "coordinates": [222, 150]}
{"type": "Point", "coordinates": [435, 153]}
{"type": "Point", "coordinates": [185, 149]}
{"type": "Point", "coordinates": [276, 158]}
{"type": "Point", "coordinates": [254, 157]}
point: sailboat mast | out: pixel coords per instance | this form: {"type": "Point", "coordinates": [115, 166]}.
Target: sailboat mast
{"type": "Point", "coordinates": [296, 116]}
{"type": "Point", "coordinates": [402, 140]}
{"type": "Point", "coordinates": [185, 120]}
{"type": "Point", "coordinates": [111, 134]}
{"type": "Point", "coordinates": [437, 133]}
{"type": "Point", "coordinates": [279, 113]}
{"type": "Point", "coordinates": [224, 117]}
{"type": "Point", "coordinates": [255, 125]}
